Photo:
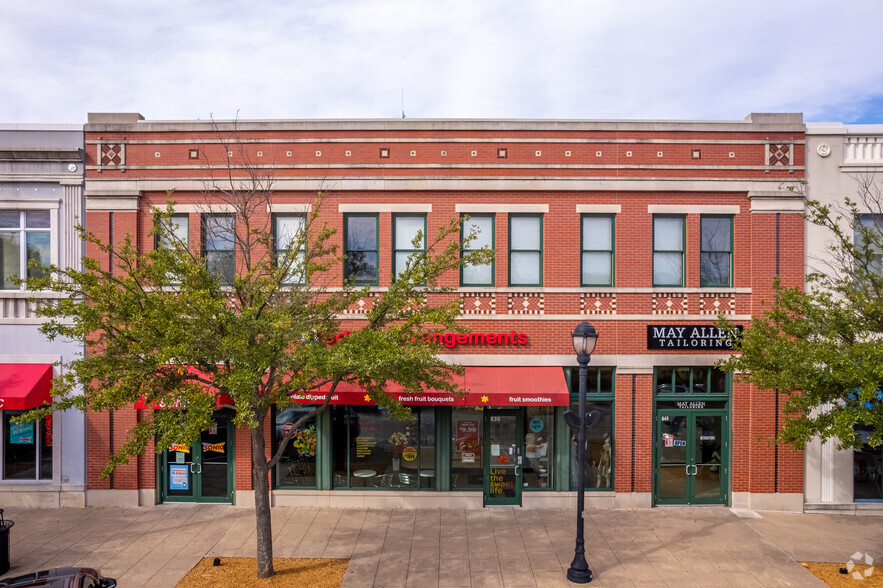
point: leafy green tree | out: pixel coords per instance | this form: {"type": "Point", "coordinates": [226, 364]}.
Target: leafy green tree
{"type": "Point", "coordinates": [169, 326]}
{"type": "Point", "coordinates": [822, 347]}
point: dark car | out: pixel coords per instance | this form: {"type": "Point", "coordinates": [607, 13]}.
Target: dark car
{"type": "Point", "coordinates": [61, 578]}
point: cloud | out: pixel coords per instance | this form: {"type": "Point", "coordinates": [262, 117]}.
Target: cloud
{"type": "Point", "coordinates": [590, 59]}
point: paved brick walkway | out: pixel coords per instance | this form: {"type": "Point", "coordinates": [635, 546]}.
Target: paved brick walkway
{"type": "Point", "coordinates": [490, 547]}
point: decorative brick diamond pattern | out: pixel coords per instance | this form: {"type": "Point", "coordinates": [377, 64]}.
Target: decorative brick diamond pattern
{"type": "Point", "coordinates": [526, 303]}
{"type": "Point", "coordinates": [417, 302]}
{"type": "Point", "coordinates": [478, 303]}
{"type": "Point", "coordinates": [779, 154]}
{"type": "Point", "coordinates": [362, 305]}
{"type": "Point", "coordinates": [112, 154]}
{"type": "Point", "coordinates": [669, 303]}
{"type": "Point", "coordinates": [597, 303]}
{"type": "Point", "coordinates": [717, 303]}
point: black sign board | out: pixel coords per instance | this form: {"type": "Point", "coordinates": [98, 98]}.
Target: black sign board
{"type": "Point", "coordinates": [697, 337]}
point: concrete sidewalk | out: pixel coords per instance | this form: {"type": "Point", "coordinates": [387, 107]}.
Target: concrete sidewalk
{"type": "Point", "coordinates": [500, 546]}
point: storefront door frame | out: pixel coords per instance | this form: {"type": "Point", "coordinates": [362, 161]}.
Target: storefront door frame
{"type": "Point", "coordinates": [500, 476]}
{"type": "Point", "coordinates": [195, 469]}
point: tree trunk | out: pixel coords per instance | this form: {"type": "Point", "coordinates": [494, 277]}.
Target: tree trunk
{"type": "Point", "coordinates": [261, 485]}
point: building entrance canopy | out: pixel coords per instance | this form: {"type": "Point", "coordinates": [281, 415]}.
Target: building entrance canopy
{"type": "Point", "coordinates": [24, 386]}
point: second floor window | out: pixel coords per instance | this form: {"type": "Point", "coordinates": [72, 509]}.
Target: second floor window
{"type": "Point", "coordinates": [869, 228]}
{"type": "Point", "coordinates": [24, 237]}
{"type": "Point", "coordinates": [597, 250]}
{"type": "Point", "coordinates": [361, 249]}
{"type": "Point", "coordinates": [405, 229]}
{"type": "Point", "coordinates": [483, 225]}
{"type": "Point", "coordinates": [668, 251]}
{"type": "Point", "coordinates": [180, 224]}
{"type": "Point", "coordinates": [218, 248]}
{"type": "Point", "coordinates": [288, 233]}
{"type": "Point", "coordinates": [716, 255]}
{"type": "Point", "coordinates": [525, 250]}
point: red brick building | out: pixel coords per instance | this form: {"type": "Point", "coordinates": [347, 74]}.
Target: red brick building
{"type": "Point", "coordinates": [647, 229]}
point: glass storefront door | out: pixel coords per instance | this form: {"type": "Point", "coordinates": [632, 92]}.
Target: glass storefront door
{"type": "Point", "coordinates": [203, 471]}
{"type": "Point", "coordinates": [691, 457]}
{"type": "Point", "coordinates": [504, 438]}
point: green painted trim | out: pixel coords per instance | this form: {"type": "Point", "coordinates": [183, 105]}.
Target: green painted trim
{"type": "Point", "coordinates": [443, 424]}
{"type": "Point", "coordinates": [197, 478]}
{"type": "Point", "coordinates": [562, 452]}
{"type": "Point", "coordinates": [324, 471]}
{"type": "Point", "coordinates": [729, 251]}
{"type": "Point", "coordinates": [204, 219]}
{"type": "Point", "coordinates": [376, 249]}
{"type": "Point", "coordinates": [396, 250]}
{"type": "Point", "coordinates": [493, 243]}
{"type": "Point", "coordinates": [540, 250]}
{"type": "Point", "coordinates": [518, 413]}
{"type": "Point", "coordinates": [611, 250]}
{"type": "Point", "coordinates": [682, 251]}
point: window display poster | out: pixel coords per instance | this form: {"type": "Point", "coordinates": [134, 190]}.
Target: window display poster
{"type": "Point", "coordinates": [21, 433]}
{"type": "Point", "coordinates": [467, 435]}
{"type": "Point", "coordinates": [178, 478]}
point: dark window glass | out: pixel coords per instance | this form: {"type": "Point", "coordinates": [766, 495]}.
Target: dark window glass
{"type": "Point", "coordinates": [690, 380]}
{"type": "Point", "coordinates": [467, 472]}
{"type": "Point", "coordinates": [219, 245]}
{"type": "Point", "coordinates": [27, 448]}
{"type": "Point", "coordinates": [867, 468]}
{"type": "Point", "coordinates": [716, 256]}
{"type": "Point", "coordinates": [869, 228]}
{"type": "Point", "coordinates": [539, 445]}
{"type": "Point", "coordinates": [599, 449]}
{"type": "Point", "coordinates": [361, 249]}
{"type": "Point", "coordinates": [297, 467]}
{"type": "Point", "coordinates": [371, 450]}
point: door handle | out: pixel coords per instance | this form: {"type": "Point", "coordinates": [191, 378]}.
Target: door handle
{"type": "Point", "coordinates": [516, 470]}
{"type": "Point", "coordinates": [695, 470]}
{"type": "Point", "coordinates": [192, 465]}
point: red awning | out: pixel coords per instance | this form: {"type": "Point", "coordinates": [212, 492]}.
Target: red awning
{"type": "Point", "coordinates": [222, 399]}
{"type": "Point", "coordinates": [488, 386]}
{"type": "Point", "coordinates": [24, 386]}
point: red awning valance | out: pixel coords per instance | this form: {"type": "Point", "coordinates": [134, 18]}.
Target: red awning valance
{"type": "Point", "coordinates": [24, 386]}
{"type": "Point", "coordinates": [488, 386]}
{"type": "Point", "coordinates": [222, 399]}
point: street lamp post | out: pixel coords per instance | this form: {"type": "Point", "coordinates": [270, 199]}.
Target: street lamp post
{"type": "Point", "coordinates": [584, 339]}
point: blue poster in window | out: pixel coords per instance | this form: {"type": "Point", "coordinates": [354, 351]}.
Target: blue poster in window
{"type": "Point", "coordinates": [178, 478]}
{"type": "Point", "coordinates": [21, 433]}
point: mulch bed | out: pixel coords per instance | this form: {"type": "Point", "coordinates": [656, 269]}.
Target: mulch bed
{"type": "Point", "coordinates": [829, 573]}
{"type": "Point", "coordinates": [242, 571]}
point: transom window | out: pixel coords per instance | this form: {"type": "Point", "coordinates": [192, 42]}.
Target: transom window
{"type": "Point", "coordinates": [24, 237]}
{"type": "Point", "coordinates": [668, 250]}
{"type": "Point", "coordinates": [525, 250]}
{"type": "Point", "coordinates": [219, 241]}
{"type": "Point", "coordinates": [405, 230]}
{"type": "Point", "coordinates": [716, 251]}
{"type": "Point", "coordinates": [597, 250]}
{"type": "Point", "coordinates": [288, 231]}
{"type": "Point", "coordinates": [690, 380]}
{"type": "Point", "coordinates": [483, 225]}
{"type": "Point", "coordinates": [361, 250]}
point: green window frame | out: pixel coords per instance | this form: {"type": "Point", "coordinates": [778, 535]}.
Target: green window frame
{"type": "Point", "coordinates": [298, 467]}
{"type": "Point", "coordinates": [471, 275]}
{"type": "Point", "coordinates": [24, 236]}
{"type": "Point", "coordinates": [525, 249]}
{"type": "Point", "coordinates": [361, 248]}
{"type": "Point", "coordinates": [600, 395]}
{"type": "Point", "coordinates": [716, 251]}
{"type": "Point", "coordinates": [219, 245]}
{"type": "Point", "coordinates": [597, 256]}
{"type": "Point", "coordinates": [403, 235]}
{"type": "Point", "coordinates": [288, 230]}
{"type": "Point", "coordinates": [669, 250]}
{"type": "Point", "coordinates": [677, 381]}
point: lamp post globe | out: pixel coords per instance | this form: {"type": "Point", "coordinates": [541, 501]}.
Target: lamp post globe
{"type": "Point", "coordinates": [584, 338]}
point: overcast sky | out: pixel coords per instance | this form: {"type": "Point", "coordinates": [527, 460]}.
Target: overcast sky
{"type": "Point", "coordinates": [587, 59]}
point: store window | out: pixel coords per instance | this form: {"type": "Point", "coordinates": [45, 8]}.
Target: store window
{"type": "Point", "coordinates": [288, 238]}
{"type": "Point", "coordinates": [297, 466]}
{"type": "Point", "coordinates": [24, 237]}
{"type": "Point", "coordinates": [371, 450]}
{"type": "Point", "coordinates": [539, 446]}
{"type": "Point", "coordinates": [180, 232]}
{"type": "Point", "coordinates": [218, 245]}
{"type": "Point", "coordinates": [361, 250]}
{"type": "Point", "coordinates": [668, 250]}
{"type": "Point", "coordinates": [597, 250]}
{"type": "Point", "coordinates": [483, 226]}
{"type": "Point", "coordinates": [405, 230]}
{"type": "Point", "coordinates": [467, 471]}
{"type": "Point", "coordinates": [869, 228]}
{"type": "Point", "coordinates": [27, 448]}
{"type": "Point", "coordinates": [716, 251]}
{"type": "Point", "coordinates": [690, 380]}
{"type": "Point", "coordinates": [599, 439]}
{"type": "Point", "coordinates": [525, 250]}
{"type": "Point", "coordinates": [867, 468]}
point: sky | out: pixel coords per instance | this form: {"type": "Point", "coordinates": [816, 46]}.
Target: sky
{"type": "Point", "coordinates": [559, 59]}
